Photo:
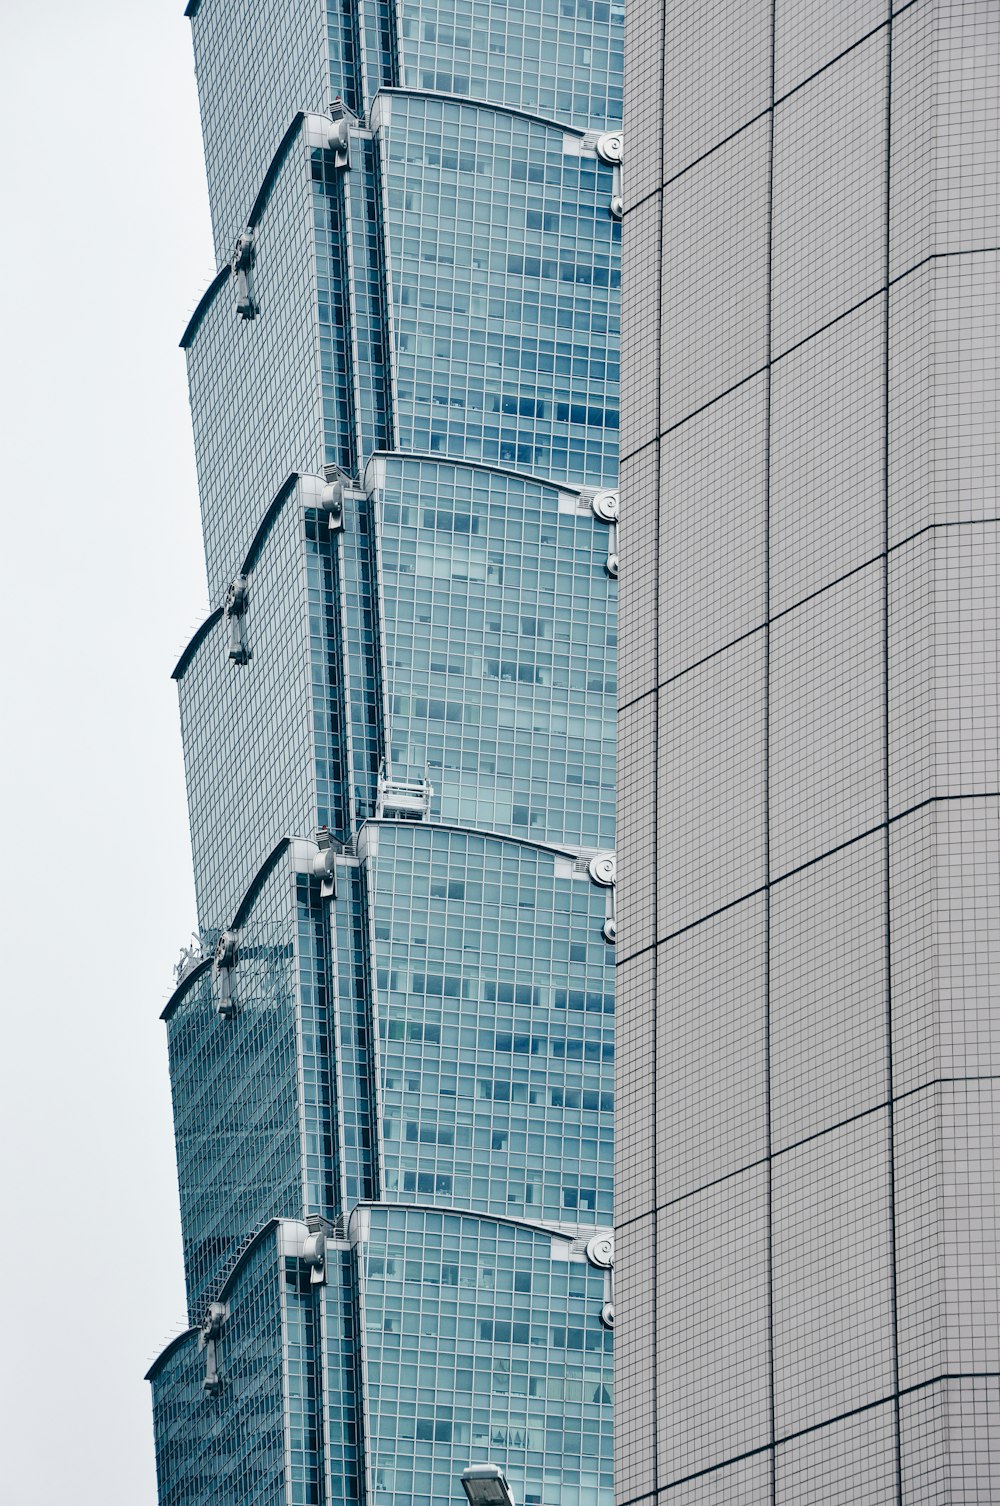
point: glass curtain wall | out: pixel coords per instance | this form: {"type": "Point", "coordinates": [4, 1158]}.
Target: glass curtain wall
{"type": "Point", "coordinates": [391, 1046]}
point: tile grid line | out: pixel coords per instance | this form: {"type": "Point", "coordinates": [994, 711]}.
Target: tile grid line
{"type": "Point", "coordinates": [862, 1114]}
{"type": "Point", "coordinates": [760, 115]}
{"type": "Point", "coordinates": [809, 863]}
{"type": "Point", "coordinates": [804, 600]}
{"type": "Point", "coordinates": [918, 266]}
{"type": "Point", "coordinates": [944, 1378]}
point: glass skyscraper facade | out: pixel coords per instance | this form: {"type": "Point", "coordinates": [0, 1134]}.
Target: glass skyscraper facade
{"type": "Point", "coordinates": [809, 736]}
{"type": "Point", "coordinates": [391, 1049]}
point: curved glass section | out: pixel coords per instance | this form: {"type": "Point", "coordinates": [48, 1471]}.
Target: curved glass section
{"type": "Point", "coordinates": [399, 746]}
{"type": "Point", "coordinates": [517, 56]}
{"type": "Point", "coordinates": [235, 1085]}
{"type": "Point", "coordinates": [256, 396]}
{"type": "Point", "coordinates": [499, 642]}
{"type": "Point", "coordinates": [197, 1456]}
{"type": "Point", "coordinates": [504, 266]}
{"type": "Point", "coordinates": [256, 67]}
{"type": "Point", "coordinates": [281, 1425]}
{"type": "Point", "coordinates": [483, 1340]}
{"type": "Point", "coordinates": [266, 735]}
{"type": "Point", "coordinates": [496, 1028]}
{"type": "Point", "coordinates": [246, 729]}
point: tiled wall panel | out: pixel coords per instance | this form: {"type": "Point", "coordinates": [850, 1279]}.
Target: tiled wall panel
{"type": "Point", "coordinates": [821, 633]}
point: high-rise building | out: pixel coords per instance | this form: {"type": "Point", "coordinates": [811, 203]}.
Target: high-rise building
{"type": "Point", "coordinates": [391, 1050]}
{"type": "Point", "coordinates": [809, 858]}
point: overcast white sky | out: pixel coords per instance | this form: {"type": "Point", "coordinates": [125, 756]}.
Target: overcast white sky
{"type": "Point", "coordinates": [104, 249]}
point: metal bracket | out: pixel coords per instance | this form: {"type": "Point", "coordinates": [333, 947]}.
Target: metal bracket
{"type": "Point", "coordinates": [314, 1257]}
{"type": "Point", "coordinates": [601, 1253]}
{"type": "Point", "coordinates": [236, 613]}
{"type": "Point", "coordinates": [242, 262]}
{"type": "Point", "coordinates": [208, 1340]}
{"type": "Point", "coordinates": [609, 148]}
{"type": "Point", "coordinates": [226, 951]}
{"type": "Point", "coordinates": [331, 501]}
{"type": "Point", "coordinates": [602, 870]}
{"type": "Point", "coordinates": [605, 505]}
{"type": "Point", "coordinates": [340, 140]}
{"type": "Point", "coordinates": [324, 866]}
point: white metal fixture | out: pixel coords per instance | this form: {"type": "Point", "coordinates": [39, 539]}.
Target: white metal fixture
{"type": "Point", "coordinates": [222, 971]}
{"type": "Point", "coordinates": [208, 1340]}
{"type": "Point", "coordinates": [601, 1251]}
{"type": "Point", "coordinates": [236, 614]}
{"type": "Point", "coordinates": [242, 265]}
{"type": "Point", "coordinates": [324, 867]}
{"type": "Point", "coordinates": [610, 148]}
{"type": "Point", "coordinates": [605, 506]}
{"type": "Point", "coordinates": [314, 1257]}
{"type": "Point", "coordinates": [332, 502]}
{"type": "Point", "coordinates": [340, 142]}
{"type": "Point", "coordinates": [404, 799]}
{"type": "Point", "coordinates": [486, 1485]}
{"type": "Point", "coordinates": [602, 869]}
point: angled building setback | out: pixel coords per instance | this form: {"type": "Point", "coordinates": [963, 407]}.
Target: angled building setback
{"type": "Point", "coordinates": [809, 784]}
{"type": "Point", "coordinates": [392, 1048]}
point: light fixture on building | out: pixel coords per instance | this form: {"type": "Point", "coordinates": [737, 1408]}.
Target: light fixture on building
{"type": "Point", "coordinates": [486, 1485]}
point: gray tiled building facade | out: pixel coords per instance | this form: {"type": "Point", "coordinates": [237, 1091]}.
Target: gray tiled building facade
{"type": "Point", "coordinates": [809, 787]}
